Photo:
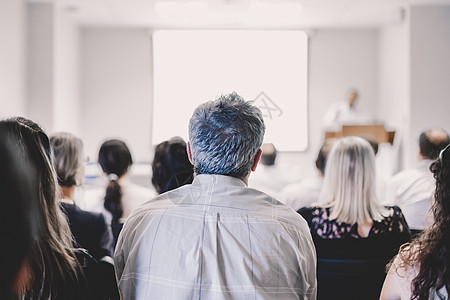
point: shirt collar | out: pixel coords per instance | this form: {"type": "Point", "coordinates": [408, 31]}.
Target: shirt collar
{"type": "Point", "coordinates": [425, 164]}
{"type": "Point", "coordinates": [207, 179]}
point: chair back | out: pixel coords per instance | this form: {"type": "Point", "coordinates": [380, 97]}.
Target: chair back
{"type": "Point", "coordinates": [350, 279]}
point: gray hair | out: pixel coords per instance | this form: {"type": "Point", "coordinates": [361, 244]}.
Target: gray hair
{"type": "Point", "coordinates": [68, 158]}
{"type": "Point", "coordinates": [349, 184]}
{"type": "Point", "coordinates": [225, 136]}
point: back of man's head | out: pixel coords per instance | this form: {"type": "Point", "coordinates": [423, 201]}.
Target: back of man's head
{"type": "Point", "coordinates": [432, 141]}
{"type": "Point", "coordinates": [225, 136]}
{"type": "Point", "coordinates": [269, 154]}
{"type": "Point", "coordinates": [321, 161]}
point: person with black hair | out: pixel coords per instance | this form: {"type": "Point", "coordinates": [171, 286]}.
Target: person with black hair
{"type": "Point", "coordinates": [412, 189]}
{"type": "Point", "coordinates": [122, 196]}
{"type": "Point", "coordinates": [171, 166]}
{"type": "Point", "coordinates": [54, 269]}
{"type": "Point", "coordinates": [19, 220]}
{"type": "Point", "coordinates": [422, 268]}
{"type": "Point", "coordinates": [307, 192]}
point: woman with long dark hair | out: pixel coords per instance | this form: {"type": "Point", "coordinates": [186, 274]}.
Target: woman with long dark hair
{"type": "Point", "coordinates": [421, 270]}
{"type": "Point", "coordinates": [54, 270]}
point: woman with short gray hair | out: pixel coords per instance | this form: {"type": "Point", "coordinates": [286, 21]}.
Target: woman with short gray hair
{"type": "Point", "coordinates": [89, 229]}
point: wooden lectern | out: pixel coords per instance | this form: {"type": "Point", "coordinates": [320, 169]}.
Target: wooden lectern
{"type": "Point", "coordinates": [377, 132]}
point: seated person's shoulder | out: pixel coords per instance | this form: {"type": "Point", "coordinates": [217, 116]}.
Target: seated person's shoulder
{"type": "Point", "coordinates": [394, 212]}
{"type": "Point", "coordinates": [313, 210]}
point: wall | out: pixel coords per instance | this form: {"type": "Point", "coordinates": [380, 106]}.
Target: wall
{"type": "Point", "coordinates": [66, 99]}
{"type": "Point", "coordinates": [394, 104]}
{"type": "Point", "coordinates": [12, 58]}
{"type": "Point", "coordinates": [40, 63]}
{"type": "Point", "coordinates": [116, 86]}
{"type": "Point", "coordinates": [338, 60]}
{"type": "Point", "coordinates": [415, 76]}
{"type": "Point", "coordinates": [116, 91]}
{"type": "Point", "coordinates": [430, 68]}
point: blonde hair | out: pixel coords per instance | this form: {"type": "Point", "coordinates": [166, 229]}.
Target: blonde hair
{"type": "Point", "coordinates": [349, 184]}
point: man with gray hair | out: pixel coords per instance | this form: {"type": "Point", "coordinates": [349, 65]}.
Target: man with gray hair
{"type": "Point", "coordinates": [216, 238]}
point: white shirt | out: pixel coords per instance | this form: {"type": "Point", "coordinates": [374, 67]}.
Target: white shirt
{"type": "Point", "coordinates": [412, 190]}
{"type": "Point", "coordinates": [215, 239]}
{"type": "Point", "coordinates": [270, 179]}
{"type": "Point", "coordinates": [397, 284]}
{"type": "Point", "coordinates": [340, 113]}
{"type": "Point", "coordinates": [298, 195]}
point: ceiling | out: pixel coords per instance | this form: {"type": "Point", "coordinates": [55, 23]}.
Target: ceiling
{"type": "Point", "coordinates": [276, 14]}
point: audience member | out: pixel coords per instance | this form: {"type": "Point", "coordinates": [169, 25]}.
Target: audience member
{"type": "Point", "coordinates": [54, 270]}
{"type": "Point", "coordinates": [269, 177]}
{"type": "Point", "coordinates": [298, 195]}
{"type": "Point", "coordinates": [216, 238]}
{"type": "Point", "coordinates": [349, 223]}
{"type": "Point", "coordinates": [18, 222]}
{"type": "Point", "coordinates": [412, 189]}
{"type": "Point", "coordinates": [171, 166]}
{"type": "Point", "coordinates": [122, 196]}
{"type": "Point", "coordinates": [89, 229]}
{"type": "Point", "coordinates": [421, 269]}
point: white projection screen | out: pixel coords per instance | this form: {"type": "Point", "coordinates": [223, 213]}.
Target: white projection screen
{"type": "Point", "coordinates": [269, 67]}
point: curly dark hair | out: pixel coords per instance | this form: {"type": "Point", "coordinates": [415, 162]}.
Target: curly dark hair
{"type": "Point", "coordinates": [430, 252]}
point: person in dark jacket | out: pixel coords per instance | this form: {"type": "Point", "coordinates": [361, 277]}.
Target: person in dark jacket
{"type": "Point", "coordinates": [89, 229]}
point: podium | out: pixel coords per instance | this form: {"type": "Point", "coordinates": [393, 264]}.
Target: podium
{"type": "Point", "coordinates": [376, 132]}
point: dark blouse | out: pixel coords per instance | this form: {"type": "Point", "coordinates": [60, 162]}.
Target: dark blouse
{"type": "Point", "coordinates": [335, 240]}
{"type": "Point", "coordinates": [89, 230]}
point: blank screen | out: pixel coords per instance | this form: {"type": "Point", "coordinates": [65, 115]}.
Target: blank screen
{"type": "Point", "coordinates": [269, 67]}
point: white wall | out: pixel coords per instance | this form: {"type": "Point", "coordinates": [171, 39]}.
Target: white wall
{"type": "Point", "coordinates": [394, 104]}
{"type": "Point", "coordinates": [116, 86]}
{"type": "Point", "coordinates": [338, 60]}
{"type": "Point", "coordinates": [415, 75]}
{"type": "Point", "coordinates": [12, 58]}
{"type": "Point", "coordinates": [116, 91]}
{"type": "Point", "coordinates": [40, 63]}
{"type": "Point", "coordinates": [430, 68]}
{"type": "Point", "coordinates": [52, 68]}
{"type": "Point", "coordinates": [66, 102]}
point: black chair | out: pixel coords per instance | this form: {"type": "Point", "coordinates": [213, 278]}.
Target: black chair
{"type": "Point", "coordinates": [350, 279]}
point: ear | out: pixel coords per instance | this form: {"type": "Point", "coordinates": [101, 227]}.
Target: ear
{"type": "Point", "coordinates": [420, 154]}
{"type": "Point", "coordinates": [189, 152]}
{"type": "Point", "coordinates": [256, 160]}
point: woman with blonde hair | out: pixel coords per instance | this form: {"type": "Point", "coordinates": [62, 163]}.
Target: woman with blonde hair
{"type": "Point", "coordinates": [349, 222]}
{"type": "Point", "coordinates": [54, 270]}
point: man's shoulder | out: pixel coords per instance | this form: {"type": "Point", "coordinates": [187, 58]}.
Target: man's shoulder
{"type": "Point", "coordinates": [411, 175]}
{"type": "Point", "coordinates": [404, 175]}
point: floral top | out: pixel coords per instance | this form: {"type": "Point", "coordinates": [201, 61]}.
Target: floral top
{"type": "Point", "coordinates": [341, 240]}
